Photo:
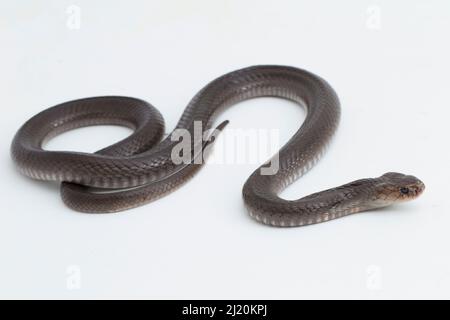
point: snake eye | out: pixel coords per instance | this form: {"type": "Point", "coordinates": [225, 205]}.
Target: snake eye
{"type": "Point", "coordinates": [404, 190]}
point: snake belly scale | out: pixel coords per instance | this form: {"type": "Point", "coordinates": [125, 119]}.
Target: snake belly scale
{"type": "Point", "coordinates": [140, 168]}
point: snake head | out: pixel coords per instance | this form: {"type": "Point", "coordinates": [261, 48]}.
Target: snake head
{"type": "Point", "coordinates": [395, 187]}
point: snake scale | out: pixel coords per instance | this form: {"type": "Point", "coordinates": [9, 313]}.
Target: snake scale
{"type": "Point", "coordinates": [140, 168]}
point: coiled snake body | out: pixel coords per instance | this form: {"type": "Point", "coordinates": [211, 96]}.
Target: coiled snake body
{"type": "Point", "coordinates": [140, 168]}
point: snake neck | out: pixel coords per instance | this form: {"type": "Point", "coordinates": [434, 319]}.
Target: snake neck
{"type": "Point", "coordinates": [269, 208]}
{"type": "Point", "coordinates": [346, 199]}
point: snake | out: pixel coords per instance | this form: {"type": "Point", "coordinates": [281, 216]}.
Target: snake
{"type": "Point", "coordinates": [142, 167]}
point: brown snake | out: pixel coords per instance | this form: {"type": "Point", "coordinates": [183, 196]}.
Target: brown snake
{"type": "Point", "coordinates": [140, 168]}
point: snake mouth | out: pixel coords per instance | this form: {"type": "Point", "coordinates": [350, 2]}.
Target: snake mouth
{"type": "Point", "coordinates": [420, 188]}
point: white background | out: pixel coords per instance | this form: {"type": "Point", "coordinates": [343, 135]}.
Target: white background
{"type": "Point", "coordinates": [388, 62]}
